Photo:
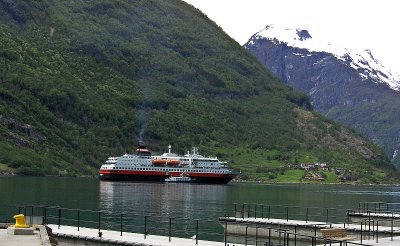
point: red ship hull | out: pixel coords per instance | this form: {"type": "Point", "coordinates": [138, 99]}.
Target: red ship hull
{"type": "Point", "coordinates": [160, 176]}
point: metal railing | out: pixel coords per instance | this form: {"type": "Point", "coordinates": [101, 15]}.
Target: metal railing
{"type": "Point", "coordinates": [369, 226]}
{"type": "Point", "coordinates": [285, 237]}
{"type": "Point", "coordinates": [328, 215]}
{"type": "Point", "coordinates": [104, 220]}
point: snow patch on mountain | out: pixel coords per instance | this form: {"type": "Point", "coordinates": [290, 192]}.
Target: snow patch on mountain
{"type": "Point", "coordinates": [361, 60]}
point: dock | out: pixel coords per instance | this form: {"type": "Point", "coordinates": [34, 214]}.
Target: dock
{"type": "Point", "coordinates": [40, 237]}
{"type": "Point", "coordinates": [71, 235]}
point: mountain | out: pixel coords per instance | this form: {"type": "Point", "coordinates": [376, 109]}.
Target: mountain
{"type": "Point", "coordinates": [347, 85]}
{"type": "Point", "coordinates": [84, 80]}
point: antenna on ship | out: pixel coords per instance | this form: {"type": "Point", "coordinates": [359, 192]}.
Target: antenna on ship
{"type": "Point", "coordinates": [169, 149]}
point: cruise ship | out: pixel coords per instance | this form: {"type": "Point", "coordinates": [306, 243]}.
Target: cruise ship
{"type": "Point", "coordinates": [142, 166]}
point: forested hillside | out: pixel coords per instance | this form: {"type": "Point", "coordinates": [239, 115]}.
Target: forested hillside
{"type": "Point", "coordinates": [84, 80]}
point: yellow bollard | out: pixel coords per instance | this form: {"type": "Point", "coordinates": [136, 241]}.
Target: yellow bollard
{"type": "Point", "coordinates": [20, 221]}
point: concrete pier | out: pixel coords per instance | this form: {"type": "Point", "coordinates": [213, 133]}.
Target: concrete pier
{"type": "Point", "coordinates": [91, 237]}
{"type": "Point", "coordinates": [384, 218]}
{"type": "Point", "coordinates": [39, 237]}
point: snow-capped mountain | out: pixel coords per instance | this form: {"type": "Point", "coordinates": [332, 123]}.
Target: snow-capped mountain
{"type": "Point", "coordinates": [360, 59]}
{"type": "Point", "coordinates": [349, 86]}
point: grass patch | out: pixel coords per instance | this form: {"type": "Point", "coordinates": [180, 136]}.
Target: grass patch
{"type": "Point", "coordinates": [291, 176]}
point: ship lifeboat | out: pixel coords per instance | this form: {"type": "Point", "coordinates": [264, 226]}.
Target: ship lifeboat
{"type": "Point", "coordinates": [159, 162]}
{"type": "Point", "coordinates": [173, 162]}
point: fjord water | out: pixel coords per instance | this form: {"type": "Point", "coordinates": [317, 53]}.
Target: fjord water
{"type": "Point", "coordinates": [184, 203]}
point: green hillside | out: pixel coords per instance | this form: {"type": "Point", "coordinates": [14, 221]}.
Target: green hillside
{"type": "Point", "coordinates": [84, 80]}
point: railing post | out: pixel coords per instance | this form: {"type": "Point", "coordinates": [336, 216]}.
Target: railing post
{"type": "Point", "coordinates": [169, 229]}
{"type": "Point", "coordinates": [79, 218]}
{"type": "Point", "coordinates": [295, 235]}
{"type": "Point", "coordinates": [391, 229]}
{"type": "Point", "coordinates": [269, 236]}
{"type": "Point", "coordinates": [145, 226]}
{"type": "Point", "coordinates": [269, 211]}
{"type": "Point", "coordinates": [243, 211]}
{"type": "Point", "coordinates": [307, 215]}
{"type": "Point", "coordinates": [226, 232]}
{"type": "Point", "coordinates": [377, 231]}
{"type": "Point", "coordinates": [315, 230]}
{"type": "Point", "coordinates": [59, 218]}
{"type": "Point", "coordinates": [43, 210]}
{"type": "Point", "coordinates": [245, 239]}
{"type": "Point", "coordinates": [121, 224]}
{"type": "Point", "coordinates": [255, 211]}
{"type": "Point", "coordinates": [256, 235]}
{"type": "Point", "coordinates": [262, 211]}
{"type": "Point", "coordinates": [197, 231]}
{"type": "Point", "coordinates": [361, 231]}
{"type": "Point", "coordinates": [248, 210]}
{"type": "Point", "coordinates": [287, 213]}
{"type": "Point", "coordinates": [19, 209]}
{"type": "Point", "coordinates": [235, 210]}
{"type": "Point", "coordinates": [45, 215]}
{"type": "Point", "coordinates": [327, 215]}
{"type": "Point", "coordinates": [31, 220]}
{"type": "Point", "coordinates": [100, 234]}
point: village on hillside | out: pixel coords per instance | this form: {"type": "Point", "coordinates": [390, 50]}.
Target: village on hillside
{"type": "Point", "coordinates": [316, 172]}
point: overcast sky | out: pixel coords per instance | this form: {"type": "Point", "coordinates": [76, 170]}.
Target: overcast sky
{"type": "Point", "coordinates": [370, 24]}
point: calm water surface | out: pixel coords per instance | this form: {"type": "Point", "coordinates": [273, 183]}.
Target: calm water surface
{"type": "Point", "coordinates": [183, 202]}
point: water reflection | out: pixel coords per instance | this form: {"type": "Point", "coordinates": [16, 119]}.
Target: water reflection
{"type": "Point", "coordinates": [160, 201]}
